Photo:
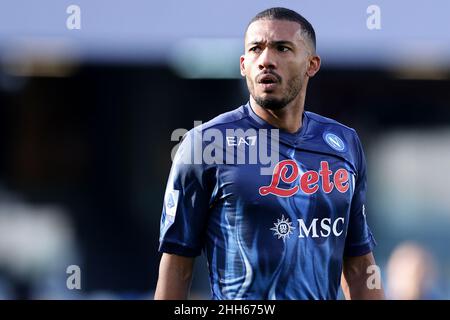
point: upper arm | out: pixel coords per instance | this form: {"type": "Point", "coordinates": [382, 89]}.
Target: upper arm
{"type": "Point", "coordinates": [186, 204]}
{"type": "Point", "coordinates": [175, 274]}
{"type": "Point", "coordinates": [359, 240]}
{"type": "Point", "coordinates": [182, 266]}
{"type": "Point", "coordinates": [356, 266]}
{"type": "Point", "coordinates": [359, 281]}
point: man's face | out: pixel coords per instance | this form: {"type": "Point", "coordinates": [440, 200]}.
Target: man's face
{"type": "Point", "coordinates": [276, 62]}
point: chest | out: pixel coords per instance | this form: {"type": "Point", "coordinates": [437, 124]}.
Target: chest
{"type": "Point", "coordinates": [305, 185]}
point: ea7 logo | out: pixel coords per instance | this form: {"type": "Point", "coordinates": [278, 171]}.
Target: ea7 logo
{"type": "Point", "coordinates": [237, 141]}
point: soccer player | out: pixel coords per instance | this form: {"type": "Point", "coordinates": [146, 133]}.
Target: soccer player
{"type": "Point", "coordinates": [290, 234]}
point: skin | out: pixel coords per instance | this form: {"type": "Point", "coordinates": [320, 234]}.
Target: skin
{"type": "Point", "coordinates": [355, 277]}
{"type": "Point", "coordinates": [278, 48]}
{"type": "Point", "coordinates": [175, 276]}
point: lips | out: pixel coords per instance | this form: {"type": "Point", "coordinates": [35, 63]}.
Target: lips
{"type": "Point", "coordinates": [268, 79]}
{"type": "Point", "coordinates": [268, 82]}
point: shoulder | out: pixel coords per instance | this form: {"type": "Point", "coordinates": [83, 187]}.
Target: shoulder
{"type": "Point", "coordinates": [226, 118]}
{"type": "Point", "coordinates": [336, 137]}
{"type": "Point", "coordinates": [328, 123]}
{"type": "Point", "coordinates": [324, 126]}
{"type": "Point", "coordinates": [220, 122]}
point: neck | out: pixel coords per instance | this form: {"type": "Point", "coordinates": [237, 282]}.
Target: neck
{"type": "Point", "coordinates": [289, 118]}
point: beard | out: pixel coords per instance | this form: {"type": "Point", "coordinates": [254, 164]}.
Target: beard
{"type": "Point", "coordinates": [272, 103]}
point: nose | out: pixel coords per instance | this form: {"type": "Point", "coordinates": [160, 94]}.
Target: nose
{"type": "Point", "coordinates": [266, 60]}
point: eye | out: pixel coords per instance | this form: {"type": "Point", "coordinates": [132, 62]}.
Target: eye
{"type": "Point", "coordinates": [255, 49]}
{"type": "Point", "coordinates": [283, 48]}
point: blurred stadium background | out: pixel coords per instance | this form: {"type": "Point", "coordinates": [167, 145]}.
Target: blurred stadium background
{"type": "Point", "coordinates": [86, 118]}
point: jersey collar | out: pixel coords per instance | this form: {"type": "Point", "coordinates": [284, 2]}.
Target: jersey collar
{"type": "Point", "coordinates": [292, 137]}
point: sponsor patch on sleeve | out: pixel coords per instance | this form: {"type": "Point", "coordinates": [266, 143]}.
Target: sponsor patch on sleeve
{"type": "Point", "coordinates": [171, 204]}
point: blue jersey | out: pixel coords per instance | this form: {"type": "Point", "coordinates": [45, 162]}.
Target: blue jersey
{"type": "Point", "coordinates": [278, 234]}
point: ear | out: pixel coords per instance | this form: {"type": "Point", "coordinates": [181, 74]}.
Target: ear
{"type": "Point", "coordinates": [314, 66]}
{"type": "Point", "coordinates": [242, 65]}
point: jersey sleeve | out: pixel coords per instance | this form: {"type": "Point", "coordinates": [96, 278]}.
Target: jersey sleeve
{"type": "Point", "coordinates": [186, 202]}
{"type": "Point", "coordinates": [359, 240]}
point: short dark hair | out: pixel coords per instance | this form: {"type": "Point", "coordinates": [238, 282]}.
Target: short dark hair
{"type": "Point", "coordinates": [279, 13]}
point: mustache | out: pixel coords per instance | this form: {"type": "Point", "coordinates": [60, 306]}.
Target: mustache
{"type": "Point", "coordinates": [264, 73]}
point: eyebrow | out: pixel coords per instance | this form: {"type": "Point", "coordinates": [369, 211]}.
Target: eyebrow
{"type": "Point", "coordinates": [272, 43]}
